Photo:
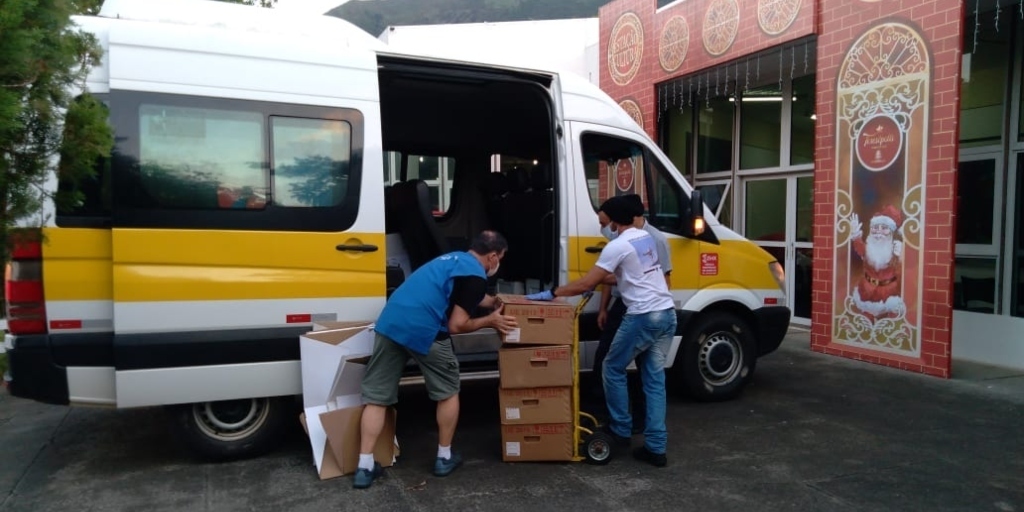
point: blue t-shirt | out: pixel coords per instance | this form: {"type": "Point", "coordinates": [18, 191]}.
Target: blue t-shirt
{"type": "Point", "coordinates": [418, 310]}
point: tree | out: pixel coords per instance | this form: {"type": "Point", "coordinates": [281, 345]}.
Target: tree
{"type": "Point", "coordinates": [261, 3]}
{"type": "Point", "coordinates": [44, 116]}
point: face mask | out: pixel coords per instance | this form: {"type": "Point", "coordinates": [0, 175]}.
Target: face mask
{"type": "Point", "coordinates": [608, 233]}
{"type": "Point", "coordinates": [491, 272]}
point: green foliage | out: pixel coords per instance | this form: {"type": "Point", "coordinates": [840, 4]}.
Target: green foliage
{"type": "Point", "coordinates": [44, 61]}
{"type": "Point", "coordinates": [261, 3]}
{"type": "Point", "coordinates": [375, 16]}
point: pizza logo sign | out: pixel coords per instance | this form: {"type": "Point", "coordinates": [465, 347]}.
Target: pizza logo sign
{"type": "Point", "coordinates": [633, 110]}
{"type": "Point", "coordinates": [624, 175]}
{"type": "Point", "coordinates": [879, 143]}
{"type": "Point", "coordinates": [673, 44]}
{"type": "Point", "coordinates": [721, 24]}
{"type": "Point", "coordinates": [625, 48]}
{"type": "Point", "coordinates": [775, 16]}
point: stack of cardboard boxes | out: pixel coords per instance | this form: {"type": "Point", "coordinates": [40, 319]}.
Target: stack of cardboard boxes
{"type": "Point", "coordinates": [536, 367]}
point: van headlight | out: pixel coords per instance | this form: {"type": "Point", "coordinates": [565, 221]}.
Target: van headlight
{"type": "Point", "coordinates": [779, 273]}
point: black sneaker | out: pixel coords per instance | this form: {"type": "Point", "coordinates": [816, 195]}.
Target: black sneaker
{"type": "Point", "coordinates": [620, 441]}
{"type": "Point", "coordinates": [655, 459]}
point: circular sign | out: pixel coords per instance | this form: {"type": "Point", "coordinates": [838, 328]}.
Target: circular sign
{"type": "Point", "coordinates": [721, 23]}
{"type": "Point", "coordinates": [633, 110]}
{"type": "Point", "coordinates": [775, 16]}
{"type": "Point", "coordinates": [624, 175]}
{"type": "Point", "coordinates": [879, 143]}
{"type": "Point", "coordinates": [673, 44]}
{"type": "Point", "coordinates": [625, 48]}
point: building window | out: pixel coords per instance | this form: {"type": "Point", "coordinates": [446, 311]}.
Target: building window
{"type": "Point", "coordinates": [678, 141]}
{"type": "Point", "coordinates": [976, 188]}
{"type": "Point", "coordinates": [760, 128]}
{"type": "Point", "coordinates": [801, 135]}
{"type": "Point", "coordinates": [714, 135]}
{"type": "Point", "coordinates": [983, 82]}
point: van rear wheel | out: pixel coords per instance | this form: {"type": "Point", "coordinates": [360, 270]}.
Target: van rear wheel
{"type": "Point", "coordinates": [232, 429]}
{"type": "Point", "coordinates": [717, 357]}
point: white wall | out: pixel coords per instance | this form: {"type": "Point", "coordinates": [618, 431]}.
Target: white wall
{"type": "Point", "coordinates": [559, 45]}
{"type": "Point", "coordinates": [989, 339]}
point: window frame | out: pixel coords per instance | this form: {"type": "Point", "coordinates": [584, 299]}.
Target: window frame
{"type": "Point", "coordinates": [124, 110]}
{"type": "Point", "coordinates": [649, 155]}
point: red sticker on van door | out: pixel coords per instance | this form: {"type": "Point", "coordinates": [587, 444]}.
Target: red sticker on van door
{"type": "Point", "coordinates": [299, 319]}
{"type": "Point", "coordinates": [709, 264]}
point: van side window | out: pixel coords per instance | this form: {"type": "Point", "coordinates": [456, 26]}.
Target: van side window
{"type": "Point", "coordinates": [616, 166]}
{"type": "Point", "coordinates": [196, 162]}
{"type": "Point", "coordinates": [87, 202]}
{"type": "Point", "coordinates": [311, 161]}
{"type": "Point", "coordinates": [202, 158]}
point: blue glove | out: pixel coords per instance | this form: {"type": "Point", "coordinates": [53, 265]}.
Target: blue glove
{"type": "Point", "coordinates": [545, 295]}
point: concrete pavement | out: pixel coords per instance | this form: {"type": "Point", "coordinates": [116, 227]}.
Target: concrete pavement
{"type": "Point", "coordinates": [812, 432]}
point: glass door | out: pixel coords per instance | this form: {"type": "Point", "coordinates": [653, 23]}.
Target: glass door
{"type": "Point", "coordinates": [777, 215]}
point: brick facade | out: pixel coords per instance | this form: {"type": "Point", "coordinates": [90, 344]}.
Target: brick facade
{"type": "Point", "coordinates": [841, 22]}
{"type": "Point", "coordinates": [838, 24]}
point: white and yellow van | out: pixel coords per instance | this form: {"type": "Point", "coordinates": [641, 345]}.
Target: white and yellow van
{"type": "Point", "coordinates": [271, 172]}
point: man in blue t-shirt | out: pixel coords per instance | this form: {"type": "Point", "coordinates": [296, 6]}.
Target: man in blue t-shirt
{"type": "Point", "coordinates": [436, 301]}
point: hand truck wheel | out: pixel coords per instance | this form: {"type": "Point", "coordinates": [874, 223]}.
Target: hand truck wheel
{"type": "Point", "coordinates": [598, 448]}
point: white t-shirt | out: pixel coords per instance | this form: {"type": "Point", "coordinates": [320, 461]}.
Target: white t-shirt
{"type": "Point", "coordinates": [633, 258]}
{"type": "Point", "coordinates": [664, 258]}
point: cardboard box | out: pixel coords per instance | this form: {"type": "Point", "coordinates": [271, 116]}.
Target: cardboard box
{"type": "Point", "coordinates": [341, 448]}
{"type": "Point", "coordinates": [540, 322]}
{"type": "Point", "coordinates": [535, 405]}
{"type": "Point", "coordinates": [535, 367]}
{"type": "Point", "coordinates": [322, 353]}
{"type": "Point", "coordinates": [544, 442]}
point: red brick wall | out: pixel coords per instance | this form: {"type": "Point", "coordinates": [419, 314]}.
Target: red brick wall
{"type": "Point", "coordinates": [750, 37]}
{"type": "Point", "coordinates": [841, 22]}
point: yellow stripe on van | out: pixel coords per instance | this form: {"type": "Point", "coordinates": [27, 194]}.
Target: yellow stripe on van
{"type": "Point", "coordinates": [181, 265]}
{"type": "Point", "coordinates": [741, 264]}
{"type": "Point", "coordinates": [77, 264]}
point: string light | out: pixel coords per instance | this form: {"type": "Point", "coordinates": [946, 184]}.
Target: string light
{"type": "Point", "coordinates": [717, 80]}
{"type": "Point", "coordinates": [1022, 9]}
{"type": "Point", "coordinates": [792, 65]}
{"type": "Point", "coordinates": [759, 67]}
{"type": "Point", "coordinates": [689, 97]}
{"type": "Point", "coordinates": [998, 9]}
{"type": "Point", "coordinates": [806, 52]}
{"type": "Point", "coordinates": [782, 56]}
{"type": "Point", "coordinates": [747, 86]}
{"type": "Point", "coordinates": [977, 25]}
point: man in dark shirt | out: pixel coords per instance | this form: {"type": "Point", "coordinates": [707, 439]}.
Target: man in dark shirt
{"type": "Point", "coordinates": [437, 300]}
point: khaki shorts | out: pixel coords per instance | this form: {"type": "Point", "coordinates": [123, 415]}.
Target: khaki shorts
{"type": "Point", "coordinates": [384, 371]}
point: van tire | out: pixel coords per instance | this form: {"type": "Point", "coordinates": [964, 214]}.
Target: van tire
{"type": "Point", "coordinates": [232, 429]}
{"type": "Point", "coordinates": [716, 357]}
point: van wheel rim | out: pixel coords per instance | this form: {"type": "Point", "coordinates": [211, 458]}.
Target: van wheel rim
{"type": "Point", "coordinates": [231, 420]}
{"type": "Point", "coordinates": [720, 357]}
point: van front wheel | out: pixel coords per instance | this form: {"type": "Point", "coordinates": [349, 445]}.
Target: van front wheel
{"type": "Point", "coordinates": [232, 429]}
{"type": "Point", "coordinates": [717, 357]}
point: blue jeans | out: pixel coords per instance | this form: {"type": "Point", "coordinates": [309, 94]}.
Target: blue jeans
{"type": "Point", "coordinates": [646, 338]}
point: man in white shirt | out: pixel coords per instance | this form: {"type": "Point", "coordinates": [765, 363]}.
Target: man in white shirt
{"type": "Point", "coordinates": [631, 261]}
{"type": "Point", "coordinates": [609, 318]}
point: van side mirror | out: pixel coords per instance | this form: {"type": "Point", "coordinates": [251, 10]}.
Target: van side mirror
{"type": "Point", "coordinates": [696, 219]}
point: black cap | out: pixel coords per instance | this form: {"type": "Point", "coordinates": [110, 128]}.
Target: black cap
{"type": "Point", "coordinates": [619, 210]}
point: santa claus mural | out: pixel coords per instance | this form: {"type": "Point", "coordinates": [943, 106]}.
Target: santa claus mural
{"type": "Point", "coordinates": [878, 294]}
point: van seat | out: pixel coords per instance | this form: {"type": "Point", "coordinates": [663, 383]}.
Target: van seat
{"type": "Point", "coordinates": [422, 238]}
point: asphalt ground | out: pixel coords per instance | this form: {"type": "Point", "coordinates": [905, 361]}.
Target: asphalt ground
{"type": "Point", "coordinates": [811, 432]}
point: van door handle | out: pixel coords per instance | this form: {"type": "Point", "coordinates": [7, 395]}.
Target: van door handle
{"type": "Point", "coordinates": [357, 248]}
{"type": "Point", "coordinates": [593, 249]}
